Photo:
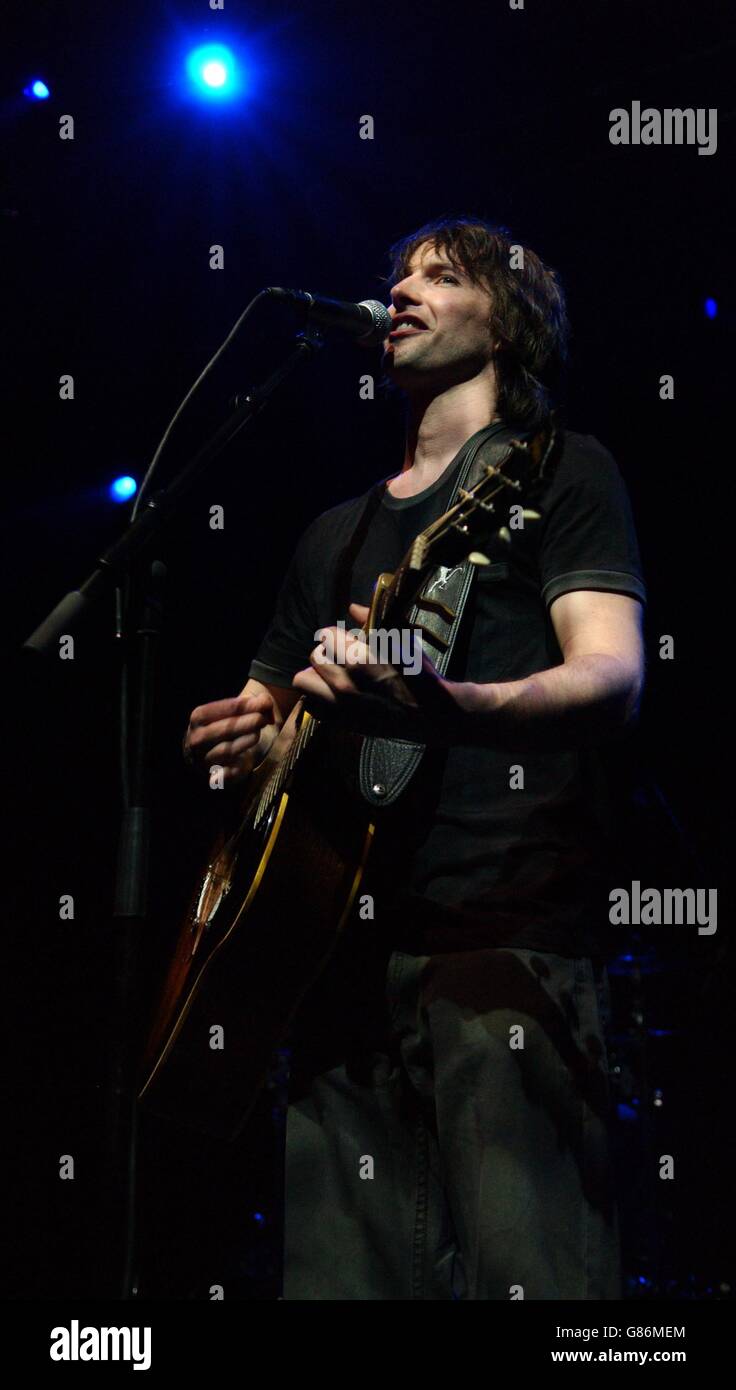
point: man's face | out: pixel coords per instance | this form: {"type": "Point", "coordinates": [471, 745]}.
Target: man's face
{"type": "Point", "coordinates": [441, 333]}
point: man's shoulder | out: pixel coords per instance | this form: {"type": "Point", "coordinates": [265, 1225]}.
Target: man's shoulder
{"type": "Point", "coordinates": [584, 461]}
{"type": "Point", "coordinates": [582, 449]}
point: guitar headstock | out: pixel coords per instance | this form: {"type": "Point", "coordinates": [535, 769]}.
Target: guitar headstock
{"type": "Point", "coordinates": [513, 482]}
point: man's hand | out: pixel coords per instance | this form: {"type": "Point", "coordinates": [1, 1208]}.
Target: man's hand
{"type": "Point", "coordinates": [226, 733]}
{"type": "Point", "coordinates": [351, 691]}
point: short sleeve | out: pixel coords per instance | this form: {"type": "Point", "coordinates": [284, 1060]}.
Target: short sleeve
{"type": "Point", "coordinates": [286, 647]}
{"type": "Point", "coordinates": [588, 536]}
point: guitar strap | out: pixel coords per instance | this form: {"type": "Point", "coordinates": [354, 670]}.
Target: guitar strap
{"type": "Point", "coordinates": [388, 764]}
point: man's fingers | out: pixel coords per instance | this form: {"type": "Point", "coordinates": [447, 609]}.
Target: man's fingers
{"type": "Point", "coordinates": [210, 734]}
{"type": "Point", "coordinates": [229, 709]}
{"type": "Point", "coordinates": [228, 754]}
{"type": "Point", "coordinates": [332, 673]}
{"type": "Point", "coordinates": [312, 684]}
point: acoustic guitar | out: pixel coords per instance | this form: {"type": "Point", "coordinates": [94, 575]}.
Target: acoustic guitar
{"type": "Point", "coordinates": [285, 872]}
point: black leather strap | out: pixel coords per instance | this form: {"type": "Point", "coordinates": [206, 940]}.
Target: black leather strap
{"type": "Point", "coordinates": [386, 764]}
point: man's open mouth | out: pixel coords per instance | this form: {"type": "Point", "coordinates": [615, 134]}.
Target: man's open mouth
{"type": "Point", "coordinates": [405, 326]}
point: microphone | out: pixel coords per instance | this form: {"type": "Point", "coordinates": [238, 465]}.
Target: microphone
{"type": "Point", "coordinates": [368, 322]}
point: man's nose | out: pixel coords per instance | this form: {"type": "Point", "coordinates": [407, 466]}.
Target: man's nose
{"type": "Point", "coordinates": [405, 292]}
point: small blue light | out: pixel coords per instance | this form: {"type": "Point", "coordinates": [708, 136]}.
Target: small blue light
{"type": "Point", "coordinates": [37, 91]}
{"type": "Point", "coordinates": [258, 1217]}
{"type": "Point", "coordinates": [711, 308]}
{"type": "Point", "coordinates": [213, 72]}
{"type": "Point", "coordinates": [123, 488]}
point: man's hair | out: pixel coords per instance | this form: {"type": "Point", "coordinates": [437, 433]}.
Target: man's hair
{"type": "Point", "coordinates": [528, 315]}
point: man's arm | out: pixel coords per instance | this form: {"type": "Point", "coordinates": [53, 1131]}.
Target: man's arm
{"type": "Point", "coordinates": [593, 694]}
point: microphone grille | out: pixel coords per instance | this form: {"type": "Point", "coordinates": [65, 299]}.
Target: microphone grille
{"type": "Point", "coordinates": [381, 321]}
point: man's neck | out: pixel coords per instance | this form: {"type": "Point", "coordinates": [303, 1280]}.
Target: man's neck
{"type": "Point", "coordinates": [436, 431]}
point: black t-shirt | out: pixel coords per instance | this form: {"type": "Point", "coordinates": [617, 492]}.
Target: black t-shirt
{"type": "Point", "coordinates": [493, 862]}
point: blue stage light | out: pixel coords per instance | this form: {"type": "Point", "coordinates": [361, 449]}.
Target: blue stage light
{"type": "Point", "coordinates": [214, 72]}
{"type": "Point", "coordinates": [123, 488]}
{"type": "Point", "coordinates": [711, 308]}
{"type": "Point", "coordinates": [37, 91]}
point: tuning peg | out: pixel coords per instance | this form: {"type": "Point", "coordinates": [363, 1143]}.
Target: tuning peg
{"type": "Point", "coordinates": [476, 557]}
{"type": "Point", "coordinates": [504, 535]}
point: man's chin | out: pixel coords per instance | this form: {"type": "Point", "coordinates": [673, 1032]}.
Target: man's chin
{"type": "Point", "coordinates": [413, 372]}
{"type": "Point", "coordinates": [402, 367]}
{"type": "Point", "coordinates": [414, 376]}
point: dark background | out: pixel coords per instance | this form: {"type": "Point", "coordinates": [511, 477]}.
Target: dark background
{"type": "Point", "coordinates": [105, 251]}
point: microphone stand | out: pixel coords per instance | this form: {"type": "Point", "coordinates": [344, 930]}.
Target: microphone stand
{"type": "Point", "coordinates": [120, 567]}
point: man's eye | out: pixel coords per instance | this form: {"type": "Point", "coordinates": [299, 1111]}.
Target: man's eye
{"type": "Point", "coordinates": [447, 276]}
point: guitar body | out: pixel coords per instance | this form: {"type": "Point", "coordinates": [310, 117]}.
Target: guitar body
{"type": "Point", "coordinates": [262, 924]}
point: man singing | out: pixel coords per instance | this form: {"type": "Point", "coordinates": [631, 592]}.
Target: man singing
{"type": "Point", "coordinates": [447, 1127]}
